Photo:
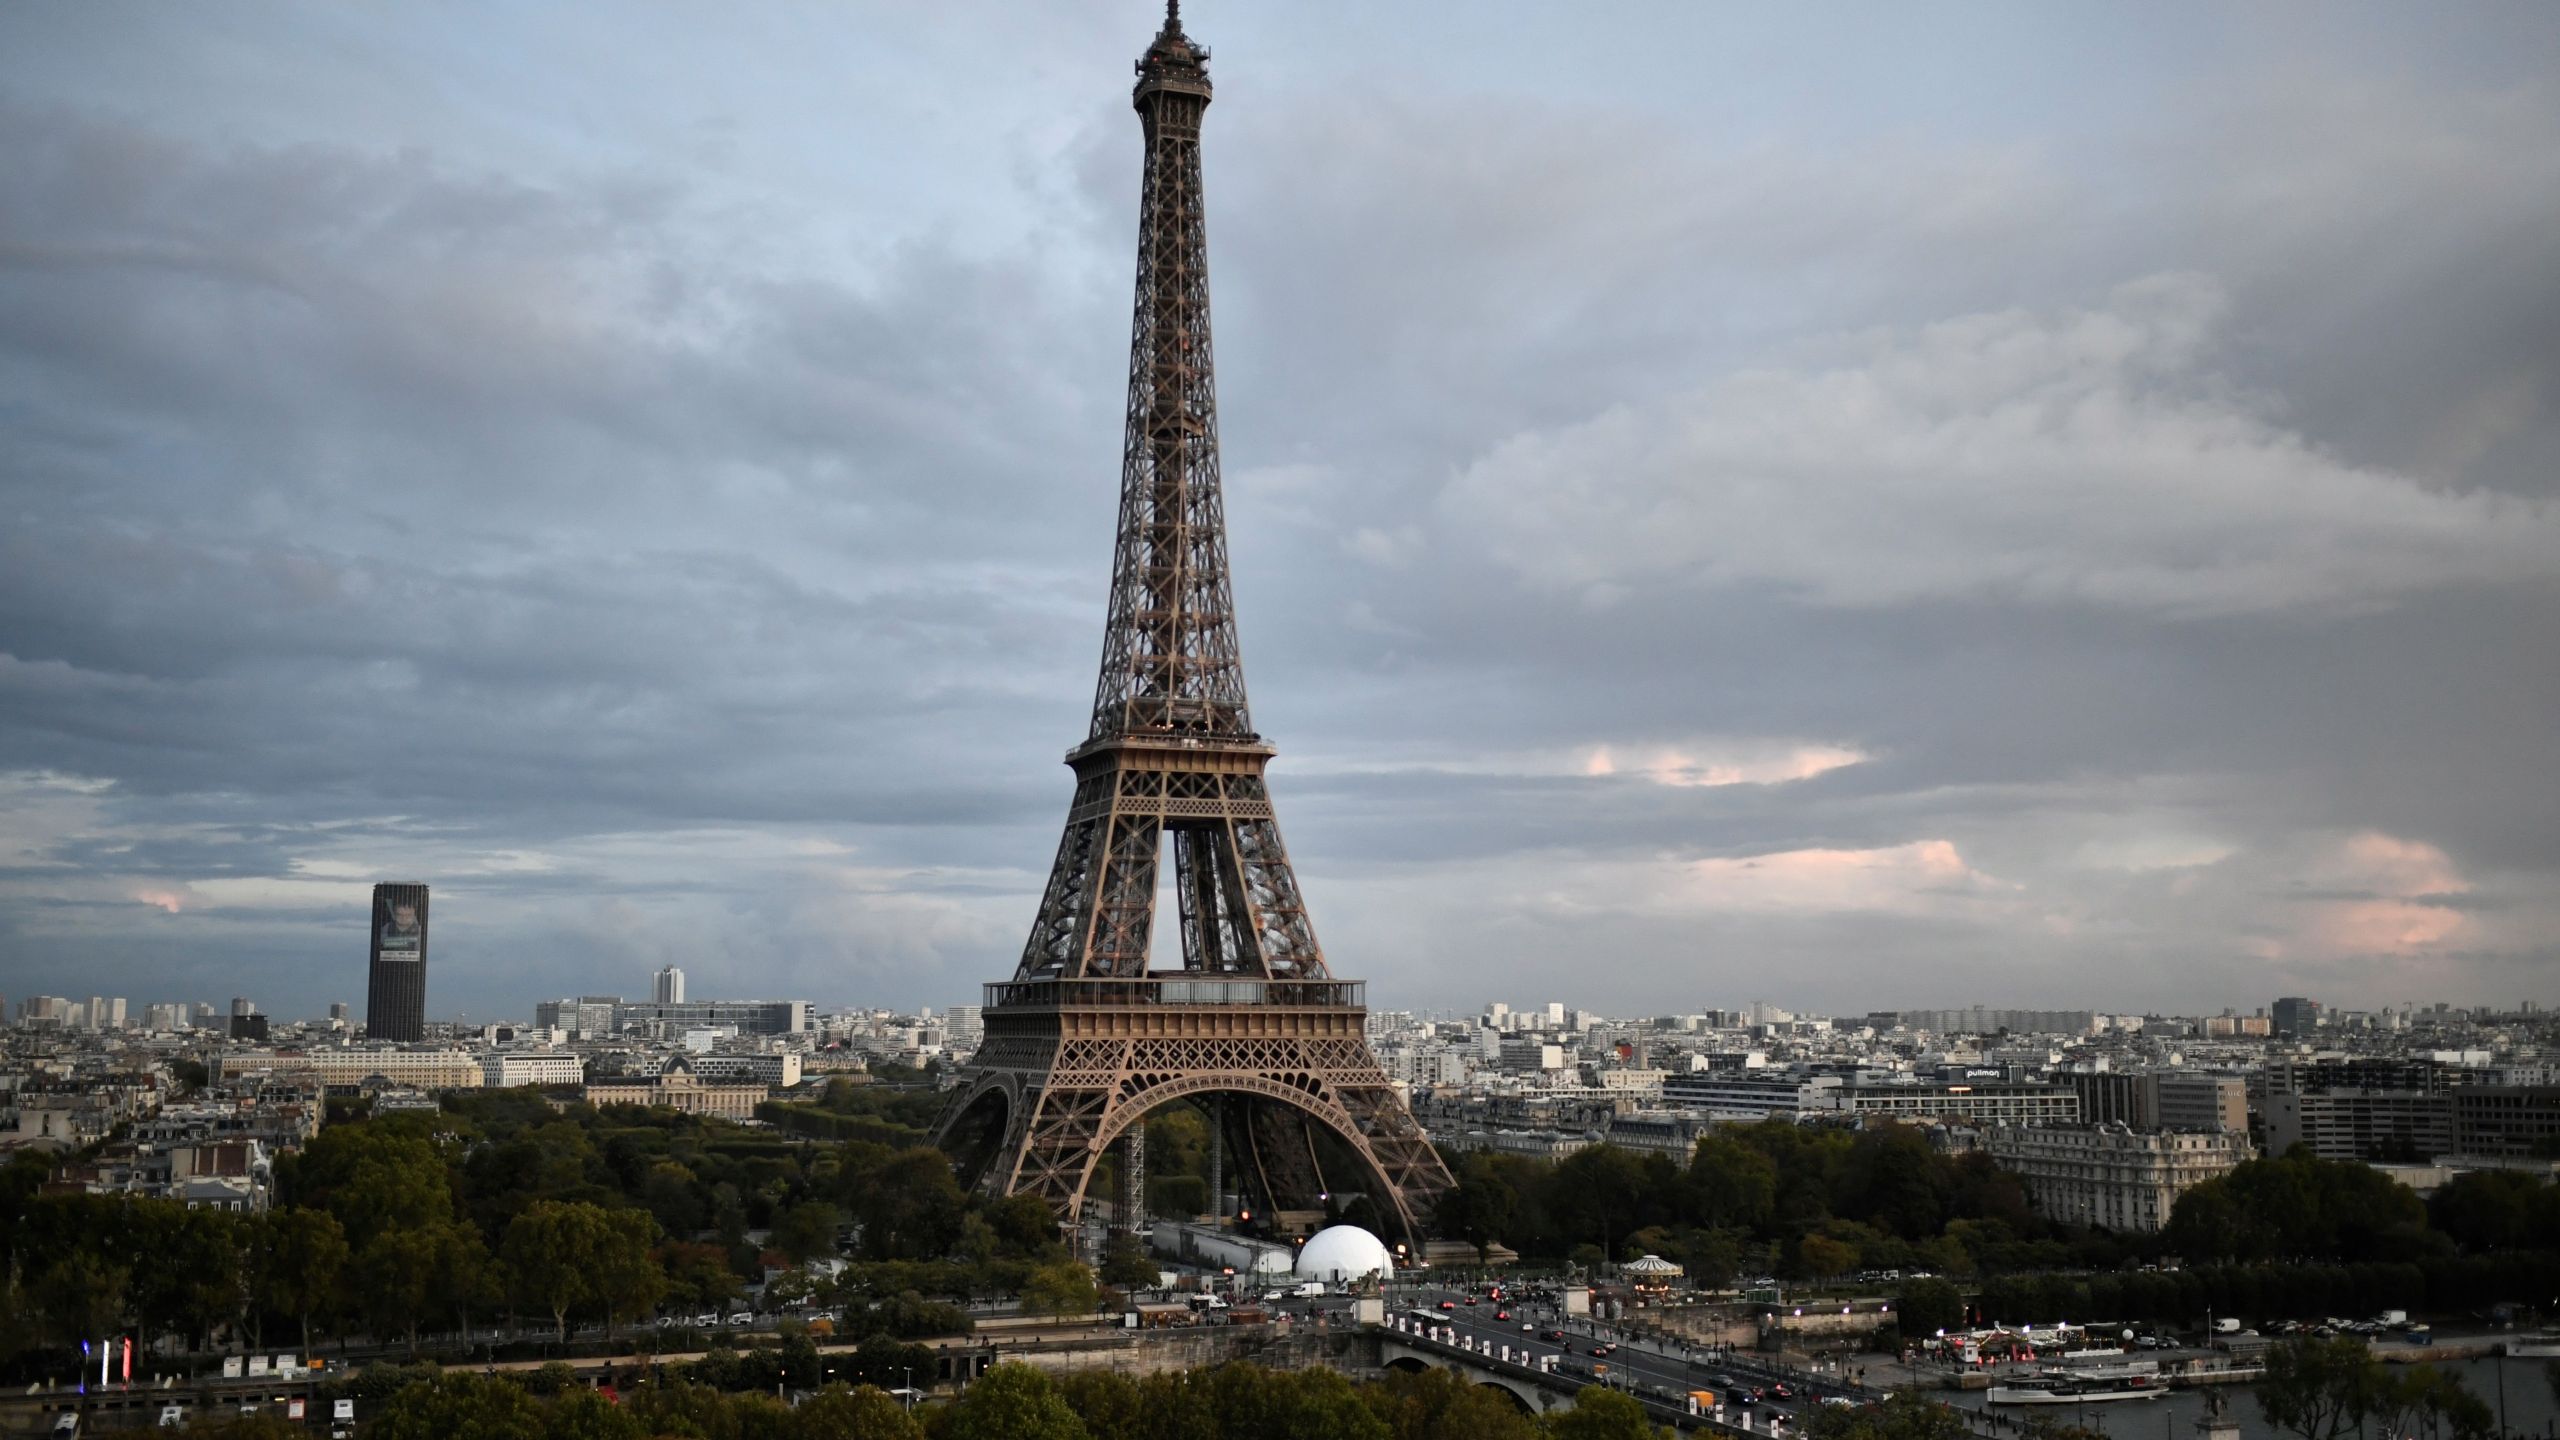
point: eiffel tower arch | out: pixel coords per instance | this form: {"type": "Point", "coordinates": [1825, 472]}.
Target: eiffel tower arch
{"type": "Point", "coordinates": [1086, 1039]}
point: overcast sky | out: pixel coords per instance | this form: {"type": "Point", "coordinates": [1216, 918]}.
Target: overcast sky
{"type": "Point", "coordinates": [1852, 507]}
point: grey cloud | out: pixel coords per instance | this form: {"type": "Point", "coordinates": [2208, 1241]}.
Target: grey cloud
{"type": "Point", "coordinates": [698, 555]}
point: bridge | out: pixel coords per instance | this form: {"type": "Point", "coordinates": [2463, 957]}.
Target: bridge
{"type": "Point", "coordinates": [1537, 1380]}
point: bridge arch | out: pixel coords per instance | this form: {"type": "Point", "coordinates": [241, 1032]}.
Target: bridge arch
{"type": "Point", "coordinates": [1530, 1396]}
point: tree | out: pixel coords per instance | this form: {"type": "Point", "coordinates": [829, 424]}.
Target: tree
{"type": "Point", "coordinates": [457, 1406]}
{"type": "Point", "coordinates": [2496, 1209]}
{"type": "Point", "coordinates": [1023, 1223]}
{"type": "Point", "coordinates": [1905, 1415]}
{"type": "Point", "coordinates": [910, 1207]}
{"type": "Point", "coordinates": [884, 1362]}
{"type": "Point", "coordinates": [461, 1279]}
{"type": "Point", "coordinates": [1064, 1287]}
{"type": "Point", "coordinates": [1436, 1404]}
{"type": "Point", "coordinates": [671, 1193]}
{"type": "Point", "coordinates": [1479, 1209]}
{"type": "Point", "coordinates": [374, 1177]}
{"type": "Point", "coordinates": [2314, 1387]}
{"type": "Point", "coordinates": [295, 1259]}
{"type": "Point", "coordinates": [1108, 1402]}
{"type": "Point", "coordinates": [698, 1275]}
{"type": "Point", "coordinates": [2392, 1403]}
{"type": "Point", "coordinates": [861, 1413]}
{"type": "Point", "coordinates": [1127, 1266]}
{"type": "Point", "coordinates": [626, 1280]}
{"type": "Point", "coordinates": [394, 1279]}
{"type": "Point", "coordinates": [198, 1278]}
{"type": "Point", "coordinates": [807, 1231]}
{"type": "Point", "coordinates": [1258, 1404]}
{"type": "Point", "coordinates": [80, 1297]}
{"type": "Point", "coordinates": [1929, 1306]}
{"type": "Point", "coordinates": [551, 1252]}
{"type": "Point", "coordinates": [582, 1414]}
{"type": "Point", "coordinates": [1730, 1183]}
{"type": "Point", "coordinates": [1013, 1402]}
{"type": "Point", "coordinates": [1600, 1414]}
{"type": "Point", "coordinates": [1825, 1257]}
{"type": "Point", "coordinates": [1597, 1195]}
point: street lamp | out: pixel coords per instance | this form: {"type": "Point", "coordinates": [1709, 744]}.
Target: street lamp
{"type": "Point", "coordinates": [909, 1372]}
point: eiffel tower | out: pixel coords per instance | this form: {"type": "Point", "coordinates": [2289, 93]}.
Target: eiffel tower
{"type": "Point", "coordinates": [1085, 1039]}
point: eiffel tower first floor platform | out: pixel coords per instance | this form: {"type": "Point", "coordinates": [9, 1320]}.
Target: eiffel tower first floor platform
{"type": "Point", "coordinates": [1069, 1067]}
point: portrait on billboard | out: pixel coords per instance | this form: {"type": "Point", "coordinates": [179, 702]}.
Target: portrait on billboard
{"type": "Point", "coordinates": [399, 926]}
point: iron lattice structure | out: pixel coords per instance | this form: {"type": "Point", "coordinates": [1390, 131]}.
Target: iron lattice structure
{"type": "Point", "coordinates": [1085, 1039]}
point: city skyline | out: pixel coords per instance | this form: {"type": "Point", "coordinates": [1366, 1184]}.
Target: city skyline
{"type": "Point", "coordinates": [1753, 512]}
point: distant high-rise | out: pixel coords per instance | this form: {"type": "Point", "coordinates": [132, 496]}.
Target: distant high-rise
{"type": "Point", "coordinates": [246, 1022]}
{"type": "Point", "coordinates": [96, 1016]}
{"type": "Point", "coordinates": [670, 987]}
{"type": "Point", "coordinates": [2294, 1017]}
{"type": "Point", "coordinates": [395, 1006]}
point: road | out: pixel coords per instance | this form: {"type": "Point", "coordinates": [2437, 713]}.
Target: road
{"type": "Point", "coordinates": [1660, 1371]}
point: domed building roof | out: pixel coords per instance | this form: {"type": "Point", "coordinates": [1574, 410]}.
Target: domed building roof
{"type": "Point", "coordinates": [1344, 1252]}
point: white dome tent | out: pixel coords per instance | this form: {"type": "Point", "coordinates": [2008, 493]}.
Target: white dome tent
{"type": "Point", "coordinates": [1340, 1254]}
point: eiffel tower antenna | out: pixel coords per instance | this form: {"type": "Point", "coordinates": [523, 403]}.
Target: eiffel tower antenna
{"type": "Point", "coordinates": [1086, 1039]}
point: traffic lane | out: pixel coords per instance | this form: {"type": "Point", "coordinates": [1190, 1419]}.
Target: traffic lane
{"type": "Point", "coordinates": [1668, 1375]}
{"type": "Point", "coordinates": [1671, 1374]}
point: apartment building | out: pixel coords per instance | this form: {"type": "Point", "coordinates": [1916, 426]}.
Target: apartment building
{"type": "Point", "coordinates": [2110, 1175]}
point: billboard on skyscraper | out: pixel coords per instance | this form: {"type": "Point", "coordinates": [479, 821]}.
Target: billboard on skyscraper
{"type": "Point", "coordinates": [399, 922]}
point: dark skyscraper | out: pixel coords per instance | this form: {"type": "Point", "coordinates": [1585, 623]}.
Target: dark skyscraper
{"type": "Point", "coordinates": [395, 1006]}
{"type": "Point", "coordinates": [2294, 1017]}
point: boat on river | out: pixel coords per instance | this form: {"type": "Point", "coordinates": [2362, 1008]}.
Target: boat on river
{"type": "Point", "coordinates": [2065, 1388]}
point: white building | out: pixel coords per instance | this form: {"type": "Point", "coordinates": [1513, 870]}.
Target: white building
{"type": "Point", "coordinates": [506, 1069]}
{"type": "Point", "coordinates": [781, 1071]}
{"type": "Point", "coordinates": [2108, 1175]}
{"type": "Point", "coordinates": [676, 1088]}
{"type": "Point", "coordinates": [424, 1069]}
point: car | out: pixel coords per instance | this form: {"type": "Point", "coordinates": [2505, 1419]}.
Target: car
{"type": "Point", "coordinates": [1448, 1304]}
{"type": "Point", "coordinates": [1551, 1335]}
{"type": "Point", "coordinates": [1526, 1328]}
{"type": "Point", "coordinates": [743, 1317]}
{"type": "Point", "coordinates": [1605, 1347]}
{"type": "Point", "coordinates": [1501, 1314]}
{"type": "Point", "coordinates": [1780, 1390]}
{"type": "Point", "coordinates": [1471, 1299]}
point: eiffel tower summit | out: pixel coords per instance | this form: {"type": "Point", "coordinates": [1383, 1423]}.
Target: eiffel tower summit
{"type": "Point", "coordinates": [1085, 1040]}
